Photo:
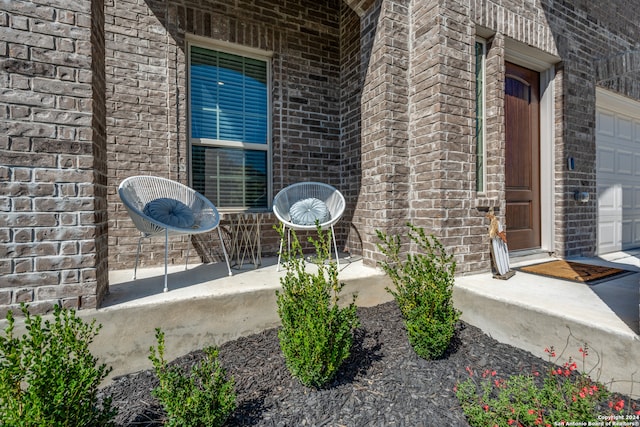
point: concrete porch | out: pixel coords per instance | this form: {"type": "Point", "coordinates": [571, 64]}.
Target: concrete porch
{"type": "Point", "coordinates": [204, 306]}
{"type": "Point", "coordinates": [207, 307]}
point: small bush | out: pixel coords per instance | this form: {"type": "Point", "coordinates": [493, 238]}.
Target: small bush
{"type": "Point", "coordinates": [48, 377]}
{"type": "Point", "coordinates": [423, 290]}
{"type": "Point", "coordinates": [203, 398]}
{"type": "Point", "coordinates": [316, 334]}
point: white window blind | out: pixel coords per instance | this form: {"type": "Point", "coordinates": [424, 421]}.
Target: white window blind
{"type": "Point", "coordinates": [229, 128]}
{"type": "Point", "coordinates": [230, 177]}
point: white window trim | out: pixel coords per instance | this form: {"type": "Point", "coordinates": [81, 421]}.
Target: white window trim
{"type": "Point", "coordinates": [222, 46]}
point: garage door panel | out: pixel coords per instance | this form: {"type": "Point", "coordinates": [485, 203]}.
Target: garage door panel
{"type": "Point", "coordinates": [606, 123]}
{"type": "Point", "coordinates": [627, 232]}
{"type": "Point", "coordinates": [606, 160]}
{"type": "Point", "coordinates": [608, 197]}
{"type": "Point", "coordinates": [608, 236]}
{"type": "Point", "coordinates": [624, 129]}
{"type": "Point", "coordinates": [636, 233]}
{"type": "Point", "coordinates": [617, 172]}
{"type": "Point", "coordinates": [625, 164]}
{"type": "Point", "coordinates": [628, 194]}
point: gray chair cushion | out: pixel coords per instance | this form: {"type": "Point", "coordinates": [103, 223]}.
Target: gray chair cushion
{"type": "Point", "coordinates": [307, 211]}
{"type": "Point", "coordinates": [171, 212]}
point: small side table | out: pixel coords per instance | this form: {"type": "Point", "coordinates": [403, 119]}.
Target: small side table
{"type": "Point", "coordinates": [245, 238]}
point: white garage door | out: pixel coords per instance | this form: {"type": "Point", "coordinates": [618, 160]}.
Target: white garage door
{"type": "Point", "coordinates": [618, 172]}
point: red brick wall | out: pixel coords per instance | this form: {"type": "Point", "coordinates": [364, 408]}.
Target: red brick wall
{"type": "Point", "coordinates": [53, 210]}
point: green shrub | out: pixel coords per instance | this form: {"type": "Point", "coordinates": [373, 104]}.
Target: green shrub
{"type": "Point", "coordinates": [316, 334]}
{"type": "Point", "coordinates": [205, 398]}
{"type": "Point", "coordinates": [48, 377]}
{"type": "Point", "coordinates": [423, 285]}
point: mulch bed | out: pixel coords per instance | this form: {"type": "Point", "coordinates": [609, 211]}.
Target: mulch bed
{"type": "Point", "coordinates": [384, 383]}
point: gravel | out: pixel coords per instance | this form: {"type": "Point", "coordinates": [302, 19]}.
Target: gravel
{"type": "Point", "coordinates": [383, 383]}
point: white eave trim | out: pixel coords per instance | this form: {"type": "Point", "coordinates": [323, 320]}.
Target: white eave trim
{"type": "Point", "coordinates": [616, 102]}
{"type": "Point", "coordinates": [528, 56]}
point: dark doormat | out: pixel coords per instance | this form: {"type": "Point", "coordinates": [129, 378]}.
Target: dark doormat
{"type": "Point", "coordinates": [575, 271]}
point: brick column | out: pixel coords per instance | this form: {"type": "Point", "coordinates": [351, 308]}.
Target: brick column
{"type": "Point", "coordinates": [52, 210]}
{"type": "Point", "coordinates": [442, 145]}
{"type": "Point", "coordinates": [384, 195]}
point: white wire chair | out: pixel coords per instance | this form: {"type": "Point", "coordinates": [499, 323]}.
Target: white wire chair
{"type": "Point", "coordinates": [288, 196]}
{"type": "Point", "coordinates": [137, 192]}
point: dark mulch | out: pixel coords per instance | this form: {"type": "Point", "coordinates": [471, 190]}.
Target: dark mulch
{"type": "Point", "coordinates": [384, 383]}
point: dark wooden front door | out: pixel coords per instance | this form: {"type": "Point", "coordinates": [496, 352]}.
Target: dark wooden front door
{"type": "Point", "coordinates": [522, 157]}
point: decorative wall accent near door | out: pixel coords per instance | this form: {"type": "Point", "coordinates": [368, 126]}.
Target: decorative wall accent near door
{"type": "Point", "coordinates": [499, 249]}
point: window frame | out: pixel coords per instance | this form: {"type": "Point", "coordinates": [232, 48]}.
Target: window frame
{"type": "Point", "coordinates": [480, 138]}
{"type": "Point", "coordinates": [247, 52]}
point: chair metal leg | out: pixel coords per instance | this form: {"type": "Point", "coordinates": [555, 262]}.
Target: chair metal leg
{"type": "Point", "coordinates": [186, 263]}
{"type": "Point", "coordinates": [135, 268]}
{"type": "Point", "coordinates": [288, 247]}
{"type": "Point", "coordinates": [166, 257]}
{"type": "Point", "coordinates": [280, 252]}
{"type": "Point", "coordinates": [335, 246]}
{"type": "Point", "coordinates": [224, 250]}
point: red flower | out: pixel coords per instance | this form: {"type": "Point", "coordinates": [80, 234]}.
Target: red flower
{"type": "Point", "coordinates": [551, 351]}
{"type": "Point", "coordinates": [618, 406]}
{"type": "Point", "coordinates": [584, 351]}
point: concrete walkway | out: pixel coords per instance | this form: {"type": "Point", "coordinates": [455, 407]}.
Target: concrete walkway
{"type": "Point", "coordinates": [207, 307]}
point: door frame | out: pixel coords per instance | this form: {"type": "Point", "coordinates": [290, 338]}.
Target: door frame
{"type": "Point", "coordinates": [536, 60]}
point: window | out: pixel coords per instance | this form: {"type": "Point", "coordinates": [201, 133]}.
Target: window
{"type": "Point", "coordinates": [481, 50]}
{"type": "Point", "coordinates": [229, 128]}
